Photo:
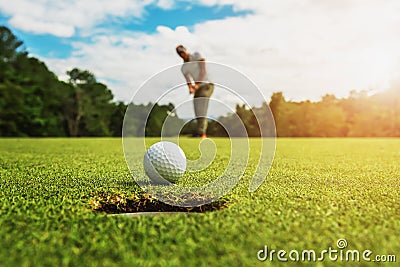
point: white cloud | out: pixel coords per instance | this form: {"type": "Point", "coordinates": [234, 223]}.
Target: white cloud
{"type": "Point", "coordinates": [303, 48]}
{"type": "Point", "coordinates": [166, 4]}
{"type": "Point", "coordinates": [63, 18]}
{"type": "Point", "coordinates": [34, 26]}
{"type": "Point", "coordinates": [308, 49]}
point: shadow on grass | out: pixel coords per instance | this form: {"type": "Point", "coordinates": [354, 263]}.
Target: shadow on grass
{"type": "Point", "coordinates": [112, 203]}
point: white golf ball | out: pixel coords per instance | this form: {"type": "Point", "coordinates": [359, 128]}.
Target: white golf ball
{"type": "Point", "coordinates": [164, 160]}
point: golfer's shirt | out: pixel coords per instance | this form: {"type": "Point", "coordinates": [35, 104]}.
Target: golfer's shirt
{"type": "Point", "coordinates": [193, 67]}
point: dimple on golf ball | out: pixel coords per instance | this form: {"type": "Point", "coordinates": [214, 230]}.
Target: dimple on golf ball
{"type": "Point", "coordinates": [164, 160]}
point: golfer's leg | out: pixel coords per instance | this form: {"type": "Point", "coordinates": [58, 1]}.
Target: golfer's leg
{"type": "Point", "coordinates": [199, 103]}
{"type": "Point", "coordinates": [202, 97]}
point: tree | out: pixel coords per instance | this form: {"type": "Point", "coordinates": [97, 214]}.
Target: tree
{"type": "Point", "coordinates": [117, 119]}
{"type": "Point", "coordinates": [89, 107]}
{"type": "Point", "coordinates": [42, 96]}
{"type": "Point", "coordinates": [150, 120]}
{"type": "Point", "coordinates": [11, 94]}
{"type": "Point", "coordinates": [29, 92]}
{"type": "Point", "coordinates": [156, 123]}
{"type": "Point", "coordinates": [9, 45]}
{"type": "Point", "coordinates": [11, 103]}
{"type": "Point", "coordinates": [280, 110]}
{"type": "Point", "coordinates": [329, 119]}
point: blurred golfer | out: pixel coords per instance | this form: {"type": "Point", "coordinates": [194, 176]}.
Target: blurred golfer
{"type": "Point", "coordinates": [195, 71]}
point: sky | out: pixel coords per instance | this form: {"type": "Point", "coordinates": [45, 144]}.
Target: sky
{"type": "Point", "coordinates": [303, 48]}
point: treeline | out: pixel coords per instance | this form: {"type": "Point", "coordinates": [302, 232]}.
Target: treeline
{"type": "Point", "coordinates": [359, 115]}
{"type": "Point", "coordinates": [34, 102]}
{"type": "Point", "coordinates": [148, 120]}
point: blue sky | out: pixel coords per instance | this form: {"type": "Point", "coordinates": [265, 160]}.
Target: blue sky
{"type": "Point", "coordinates": [305, 49]}
{"type": "Point", "coordinates": [48, 45]}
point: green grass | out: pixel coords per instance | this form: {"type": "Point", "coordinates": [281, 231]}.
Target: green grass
{"type": "Point", "coordinates": [318, 190]}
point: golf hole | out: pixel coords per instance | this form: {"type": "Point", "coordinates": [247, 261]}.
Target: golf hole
{"type": "Point", "coordinates": [144, 205]}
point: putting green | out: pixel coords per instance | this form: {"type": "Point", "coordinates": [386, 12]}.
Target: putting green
{"type": "Point", "coordinates": [318, 191]}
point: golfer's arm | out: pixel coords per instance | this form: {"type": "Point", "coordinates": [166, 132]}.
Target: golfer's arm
{"type": "Point", "coordinates": [188, 80]}
{"type": "Point", "coordinates": [202, 63]}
